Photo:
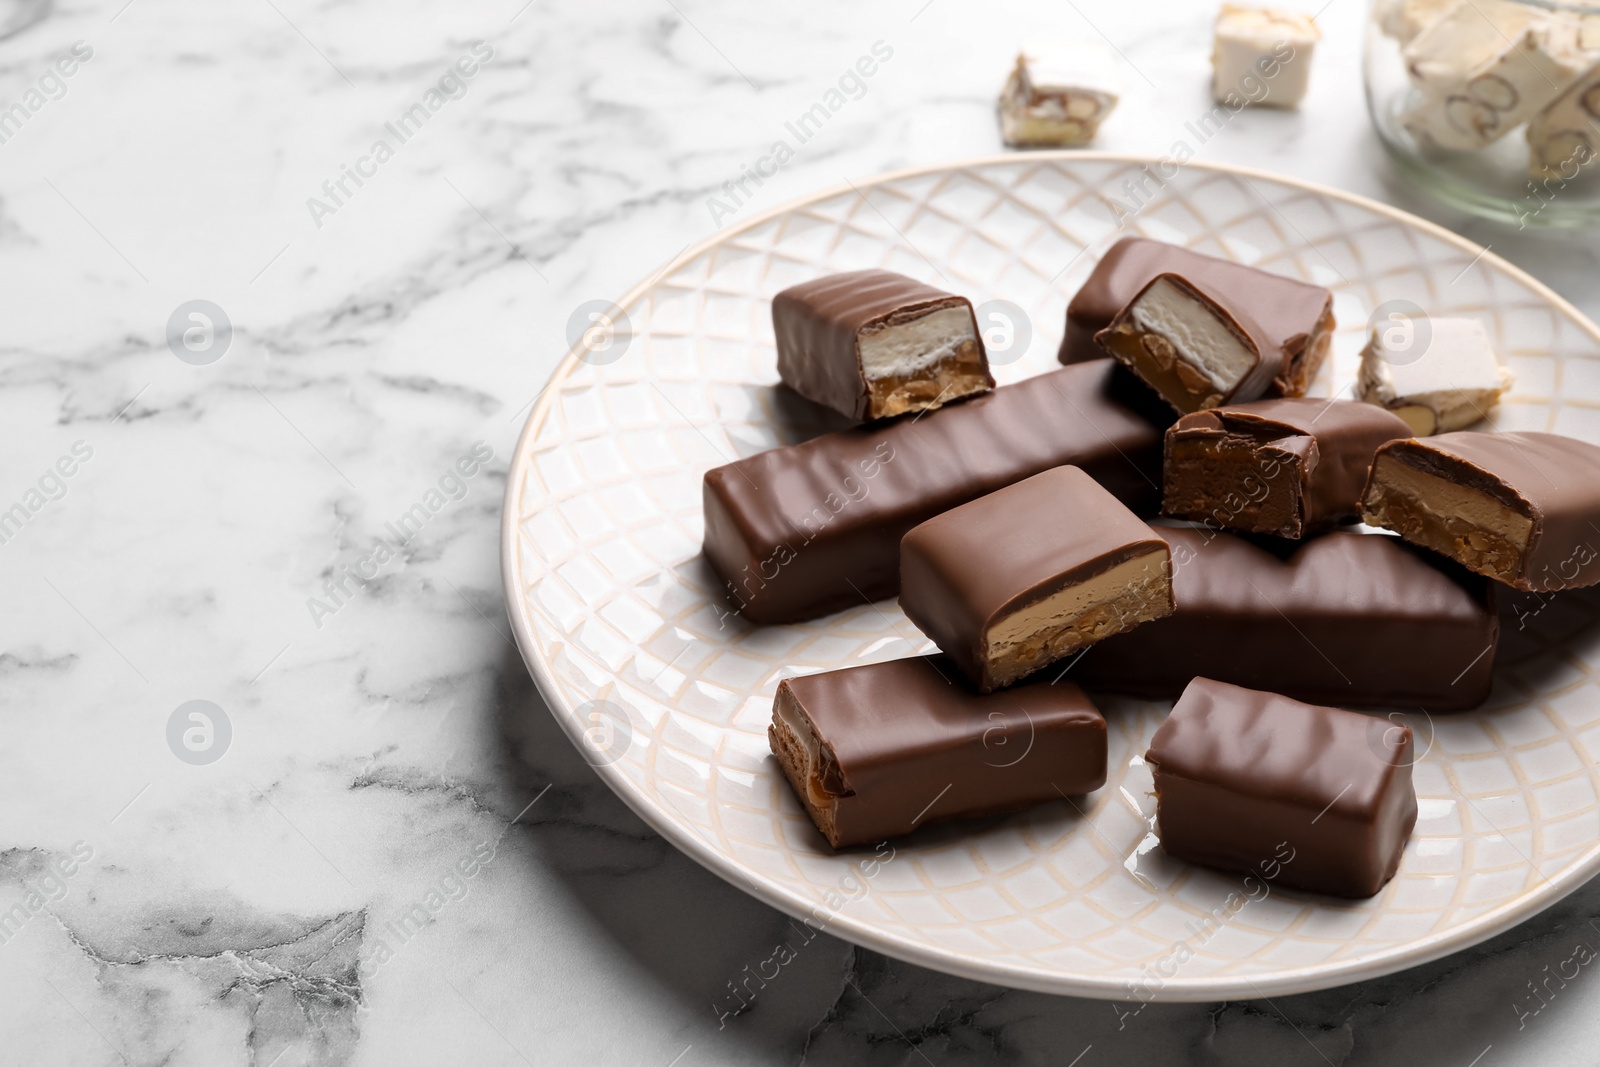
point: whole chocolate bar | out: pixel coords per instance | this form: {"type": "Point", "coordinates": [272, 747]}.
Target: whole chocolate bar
{"type": "Point", "coordinates": [873, 752]}
{"type": "Point", "coordinates": [1296, 316]}
{"type": "Point", "coordinates": [1522, 508]}
{"type": "Point", "coordinates": [871, 344]}
{"type": "Point", "coordinates": [1030, 573]}
{"type": "Point", "coordinates": [1294, 794]}
{"type": "Point", "coordinates": [1288, 466]}
{"type": "Point", "coordinates": [1345, 618]}
{"type": "Point", "coordinates": [804, 530]}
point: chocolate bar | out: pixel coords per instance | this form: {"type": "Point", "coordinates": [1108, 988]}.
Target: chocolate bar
{"type": "Point", "coordinates": [1293, 794]}
{"type": "Point", "coordinates": [1522, 508]}
{"type": "Point", "coordinates": [1033, 572]}
{"type": "Point", "coordinates": [1288, 467]}
{"type": "Point", "coordinates": [1193, 351]}
{"type": "Point", "coordinates": [807, 529]}
{"type": "Point", "coordinates": [874, 752]}
{"type": "Point", "coordinates": [871, 344]}
{"type": "Point", "coordinates": [1296, 317]}
{"type": "Point", "coordinates": [1344, 618]}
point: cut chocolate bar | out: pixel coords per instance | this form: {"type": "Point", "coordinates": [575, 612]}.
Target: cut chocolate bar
{"type": "Point", "coordinates": [1295, 317]}
{"type": "Point", "coordinates": [1344, 618]}
{"type": "Point", "coordinates": [874, 752]}
{"type": "Point", "coordinates": [1024, 576]}
{"type": "Point", "coordinates": [1188, 347]}
{"type": "Point", "coordinates": [1522, 508]}
{"type": "Point", "coordinates": [1294, 794]}
{"type": "Point", "coordinates": [807, 529]}
{"type": "Point", "coordinates": [871, 344]}
{"type": "Point", "coordinates": [1288, 467]}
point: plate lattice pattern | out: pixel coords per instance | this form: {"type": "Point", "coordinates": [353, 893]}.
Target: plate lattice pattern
{"type": "Point", "coordinates": [614, 604]}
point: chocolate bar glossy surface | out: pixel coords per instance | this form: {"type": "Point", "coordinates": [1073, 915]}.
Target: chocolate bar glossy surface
{"type": "Point", "coordinates": [1522, 508]}
{"type": "Point", "coordinates": [873, 752]}
{"type": "Point", "coordinates": [1030, 573]}
{"type": "Point", "coordinates": [1299, 795]}
{"type": "Point", "coordinates": [1358, 620]}
{"type": "Point", "coordinates": [1295, 315]}
{"type": "Point", "coordinates": [804, 530]}
{"type": "Point", "coordinates": [873, 344]}
{"type": "Point", "coordinates": [1286, 466]}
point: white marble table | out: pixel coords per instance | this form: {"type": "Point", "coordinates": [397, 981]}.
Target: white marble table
{"type": "Point", "coordinates": [398, 857]}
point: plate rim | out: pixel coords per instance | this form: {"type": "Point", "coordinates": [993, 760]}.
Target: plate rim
{"type": "Point", "coordinates": [1304, 979]}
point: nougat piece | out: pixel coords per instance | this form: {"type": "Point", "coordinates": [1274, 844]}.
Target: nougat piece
{"type": "Point", "coordinates": [1025, 576]}
{"type": "Point", "coordinates": [1288, 467]}
{"type": "Point", "coordinates": [1189, 346]}
{"type": "Point", "coordinates": [872, 344]}
{"type": "Point", "coordinates": [1296, 795]}
{"type": "Point", "coordinates": [1255, 46]}
{"type": "Point", "coordinates": [1484, 69]}
{"type": "Point", "coordinates": [1058, 94]}
{"type": "Point", "coordinates": [1522, 508]}
{"type": "Point", "coordinates": [875, 751]}
{"type": "Point", "coordinates": [1448, 384]}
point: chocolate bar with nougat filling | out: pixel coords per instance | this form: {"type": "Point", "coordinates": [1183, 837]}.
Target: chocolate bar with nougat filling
{"type": "Point", "coordinates": [1522, 508]}
{"type": "Point", "coordinates": [1295, 318]}
{"type": "Point", "coordinates": [872, 344]}
{"type": "Point", "coordinates": [876, 751]}
{"type": "Point", "coordinates": [1037, 571]}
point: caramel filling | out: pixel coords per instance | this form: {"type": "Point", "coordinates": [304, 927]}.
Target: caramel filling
{"type": "Point", "coordinates": [1468, 525]}
{"type": "Point", "coordinates": [1059, 624]}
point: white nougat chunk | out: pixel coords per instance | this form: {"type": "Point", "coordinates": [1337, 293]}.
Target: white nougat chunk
{"type": "Point", "coordinates": [1484, 68]}
{"type": "Point", "coordinates": [1058, 94]}
{"type": "Point", "coordinates": [1445, 384]}
{"type": "Point", "coordinates": [1565, 137]}
{"type": "Point", "coordinates": [1258, 46]}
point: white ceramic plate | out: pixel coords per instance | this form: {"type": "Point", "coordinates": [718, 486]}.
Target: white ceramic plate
{"type": "Point", "coordinates": [618, 618]}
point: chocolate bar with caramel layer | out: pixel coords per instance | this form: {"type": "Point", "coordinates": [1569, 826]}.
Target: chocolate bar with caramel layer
{"type": "Point", "coordinates": [1294, 318]}
{"type": "Point", "coordinates": [1034, 572]}
{"type": "Point", "coordinates": [1522, 508]}
{"type": "Point", "coordinates": [872, 344]}
{"type": "Point", "coordinates": [873, 752]}
{"type": "Point", "coordinates": [1288, 467]}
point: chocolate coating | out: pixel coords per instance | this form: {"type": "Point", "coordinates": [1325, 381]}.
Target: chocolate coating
{"type": "Point", "coordinates": [1287, 466]}
{"type": "Point", "coordinates": [900, 732]}
{"type": "Point", "coordinates": [1297, 795]}
{"type": "Point", "coordinates": [1552, 480]}
{"type": "Point", "coordinates": [963, 570]}
{"type": "Point", "coordinates": [804, 530]}
{"type": "Point", "coordinates": [1294, 317]}
{"type": "Point", "coordinates": [1345, 618]}
{"type": "Point", "coordinates": [817, 323]}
